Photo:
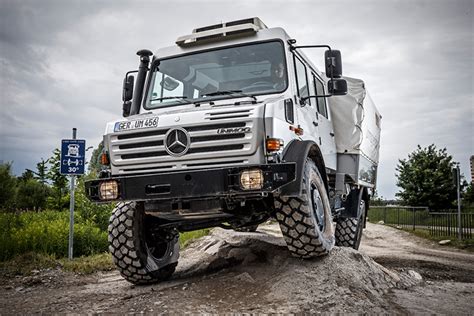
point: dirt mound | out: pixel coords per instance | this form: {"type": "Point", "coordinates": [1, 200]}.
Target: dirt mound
{"type": "Point", "coordinates": [346, 280]}
{"type": "Point", "coordinates": [229, 272]}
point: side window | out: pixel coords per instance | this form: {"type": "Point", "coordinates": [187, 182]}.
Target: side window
{"type": "Point", "coordinates": [301, 81]}
{"type": "Point", "coordinates": [311, 85]}
{"type": "Point", "coordinates": [321, 100]}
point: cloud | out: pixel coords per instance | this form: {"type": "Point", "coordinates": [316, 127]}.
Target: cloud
{"type": "Point", "coordinates": [62, 65]}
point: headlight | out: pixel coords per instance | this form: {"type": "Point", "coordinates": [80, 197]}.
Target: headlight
{"type": "Point", "coordinates": [251, 179]}
{"type": "Point", "coordinates": [108, 190]}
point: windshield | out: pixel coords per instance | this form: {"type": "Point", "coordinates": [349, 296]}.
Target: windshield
{"type": "Point", "coordinates": [228, 72]}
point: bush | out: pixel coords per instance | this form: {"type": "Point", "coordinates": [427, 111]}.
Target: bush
{"type": "Point", "coordinates": [7, 187]}
{"type": "Point", "coordinates": [47, 232]}
{"type": "Point", "coordinates": [97, 213]}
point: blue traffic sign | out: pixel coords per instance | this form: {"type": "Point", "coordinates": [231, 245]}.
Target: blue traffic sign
{"type": "Point", "coordinates": [73, 158]}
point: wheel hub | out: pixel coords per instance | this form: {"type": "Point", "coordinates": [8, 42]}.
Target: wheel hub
{"type": "Point", "coordinates": [318, 208]}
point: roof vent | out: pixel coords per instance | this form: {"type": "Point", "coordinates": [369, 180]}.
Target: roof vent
{"type": "Point", "coordinates": [222, 31]}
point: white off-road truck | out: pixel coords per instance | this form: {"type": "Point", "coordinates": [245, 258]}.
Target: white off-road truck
{"type": "Point", "coordinates": [231, 126]}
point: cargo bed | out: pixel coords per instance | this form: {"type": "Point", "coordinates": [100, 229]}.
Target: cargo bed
{"type": "Point", "coordinates": [356, 123]}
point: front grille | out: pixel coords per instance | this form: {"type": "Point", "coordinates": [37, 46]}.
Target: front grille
{"type": "Point", "coordinates": [232, 114]}
{"type": "Point", "coordinates": [138, 145]}
{"type": "Point", "coordinates": [141, 152]}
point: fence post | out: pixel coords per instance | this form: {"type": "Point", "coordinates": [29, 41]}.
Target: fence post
{"type": "Point", "coordinates": [414, 218]}
{"type": "Point", "coordinates": [398, 216]}
{"type": "Point", "coordinates": [457, 179]}
{"type": "Point", "coordinates": [449, 223]}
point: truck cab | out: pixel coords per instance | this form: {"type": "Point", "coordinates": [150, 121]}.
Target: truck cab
{"type": "Point", "coordinates": [229, 127]}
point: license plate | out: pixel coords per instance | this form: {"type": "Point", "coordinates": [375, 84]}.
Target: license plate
{"type": "Point", "coordinates": [136, 124]}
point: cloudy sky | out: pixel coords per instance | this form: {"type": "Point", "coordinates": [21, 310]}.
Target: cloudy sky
{"type": "Point", "coordinates": [62, 65]}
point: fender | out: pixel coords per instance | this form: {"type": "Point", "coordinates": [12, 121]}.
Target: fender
{"type": "Point", "coordinates": [297, 151]}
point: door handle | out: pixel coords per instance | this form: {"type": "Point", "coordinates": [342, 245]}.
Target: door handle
{"type": "Point", "coordinates": [315, 124]}
{"type": "Point", "coordinates": [332, 134]}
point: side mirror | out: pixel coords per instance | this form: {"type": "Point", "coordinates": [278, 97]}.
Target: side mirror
{"type": "Point", "coordinates": [337, 86]}
{"type": "Point", "coordinates": [127, 105]}
{"type": "Point", "coordinates": [127, 93]}
{"type": "Point", "coordinates": [333, 64]}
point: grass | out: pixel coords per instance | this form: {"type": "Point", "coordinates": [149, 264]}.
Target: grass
{"type": "Point", "coordinates": [24, 264]}
{"type": "Point", "coordinates": [47, 232]}
{"type": "Point", "coordinates": [27, 263]}
{"type": "Point", "coordinates": [186, 238]}
{"type": "Point", "coordinates": [466, 244]}
{"type": "Point", "coordinates": [88, 264]}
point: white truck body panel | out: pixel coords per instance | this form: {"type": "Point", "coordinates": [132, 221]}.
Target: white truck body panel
{"type": "Point", "coordinates": [356, 122]}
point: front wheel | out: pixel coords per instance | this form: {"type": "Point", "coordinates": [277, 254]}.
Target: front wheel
{"type": "Point", "coordinates": [306, 221]}
{"type": "Point", "coordinates": [142, 254]}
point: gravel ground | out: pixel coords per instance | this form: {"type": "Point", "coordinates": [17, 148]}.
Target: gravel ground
{"type": "Point", "coordinates": [227, 271]}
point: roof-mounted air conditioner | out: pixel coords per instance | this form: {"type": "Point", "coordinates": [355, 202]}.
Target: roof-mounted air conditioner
{"type": "Point", "coordinates": [222, 31]}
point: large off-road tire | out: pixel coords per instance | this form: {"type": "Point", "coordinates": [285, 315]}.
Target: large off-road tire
{"type": "Point", "coordinates": [306, 221]}
{"type": "Point", "coordinates": [349, 230]}
{"type": "Point", "coordinates": [139, 254]}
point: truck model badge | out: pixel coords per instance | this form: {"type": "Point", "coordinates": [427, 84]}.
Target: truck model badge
{"type": "Point", "coordinates": [235, 130]}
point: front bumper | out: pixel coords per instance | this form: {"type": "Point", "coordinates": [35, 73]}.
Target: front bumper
{"type": "Point", "coordinates": [196, 184]}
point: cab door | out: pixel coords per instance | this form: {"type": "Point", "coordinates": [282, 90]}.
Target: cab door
{"type": "Point", "coordinates": [326, 131]}
{"type": "Point", "coordinates": [307, 110]}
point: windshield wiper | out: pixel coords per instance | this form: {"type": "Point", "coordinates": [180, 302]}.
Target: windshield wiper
{"type": "Point", "coordinates": [230, 92]}
{"type": "Point", "coordinates": [179, 97]}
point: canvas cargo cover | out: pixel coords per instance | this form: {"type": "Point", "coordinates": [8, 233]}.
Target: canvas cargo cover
{"type": "Point", "coordinates": [356, 121]}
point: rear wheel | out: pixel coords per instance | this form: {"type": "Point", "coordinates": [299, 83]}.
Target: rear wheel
{"type": "Point", "coordinates": [349, 230]}
{"type": "Point", "coordinates": [306, 221]}
{"type": "Point", "coordinates": [142, 255]}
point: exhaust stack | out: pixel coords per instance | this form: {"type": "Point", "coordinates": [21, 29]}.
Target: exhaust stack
{"type": "Point", "coordinates": [141, 76]}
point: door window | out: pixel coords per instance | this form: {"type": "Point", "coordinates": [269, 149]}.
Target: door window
{"type": "Point", "coordinates": [321, 101]}
{"type": "Point", "coordinates": [301, 81]}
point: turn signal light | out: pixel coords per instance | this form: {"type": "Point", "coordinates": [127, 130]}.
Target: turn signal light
{"type": "Point", "coordinates": [273, 144]}
{"type": "Point", "coordinates": [297, 130]}
{"type": "Point", "coordinates": [108, 190]}
{"type": "Point", "coordinates": [251, 179]}
{"type": "Point", "coordinates": [104, 159]}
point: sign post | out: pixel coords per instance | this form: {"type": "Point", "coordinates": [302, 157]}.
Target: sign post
{"type": "Point", "coordinates": [457, 180]}
{"type": "Point", "coordinates": [73, 153]}
{"type": "Point", "coordinates": [458, 184]}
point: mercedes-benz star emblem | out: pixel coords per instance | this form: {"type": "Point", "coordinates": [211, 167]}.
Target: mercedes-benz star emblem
{"type": "Point", "coordinates": [177, 141]}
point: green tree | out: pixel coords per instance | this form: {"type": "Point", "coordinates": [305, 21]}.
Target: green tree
{"type": "Point", "coordinates": [425, 178]}
{"type": "Point", "coordinates": [42, 171]}
{"type": "Point", "coordinates": [26, 175]}
{"type": "Point", "coordinates": [31, 195]}
{"type": "Point", "coordinates": [59, 182]}
{"type": "Point", "coordinates": [376, 200]}
{"type": "Point", "coordinates": [468, 196]}
{"type": "Point", "coordinates": [7, 187]}
{"type": "Point", "coordinates": [94, 163]}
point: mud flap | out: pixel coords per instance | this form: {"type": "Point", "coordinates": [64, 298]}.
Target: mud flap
{"type": "Point", "coordinates": [352, 204]}
{"type": "Point", "coordinates": [171, 256]}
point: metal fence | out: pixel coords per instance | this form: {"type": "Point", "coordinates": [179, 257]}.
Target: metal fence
{"type": "Point", "coordinates": [446, 224]}
{"type": "Point", "coordinates": [439, 224]}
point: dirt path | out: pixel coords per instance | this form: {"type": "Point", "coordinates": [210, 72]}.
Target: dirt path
{"type": "Point", "coordinates": [253, 272]}
{"type": "Point", "coordinates": [398, 249]}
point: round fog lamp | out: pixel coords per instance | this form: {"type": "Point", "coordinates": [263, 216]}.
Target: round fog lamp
{"type": "Point", "coordinates": [251, 179]}
{"type": "Point", "coordinates": [108, 190]}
